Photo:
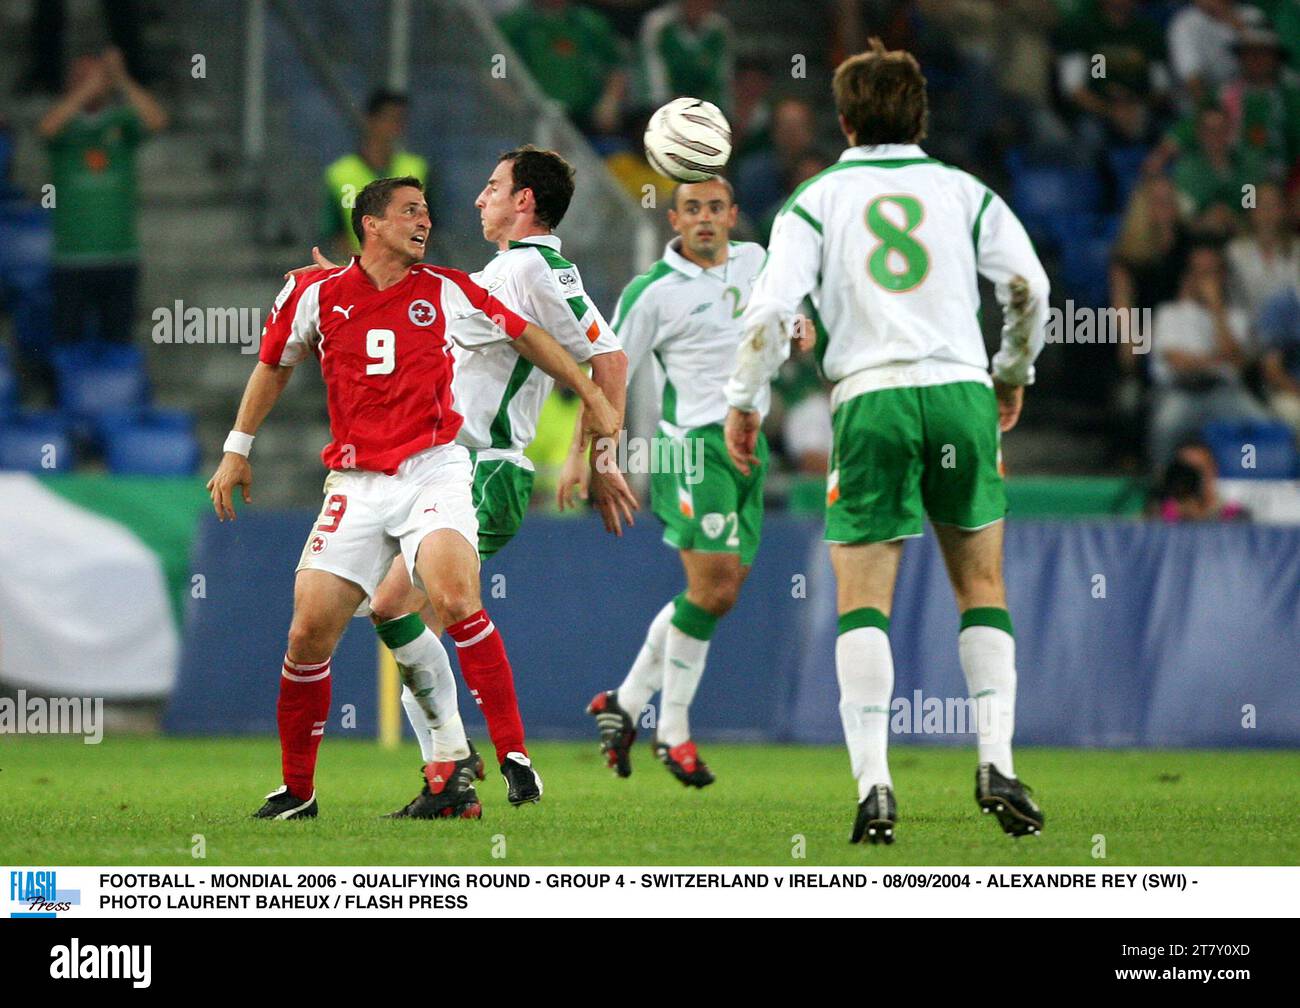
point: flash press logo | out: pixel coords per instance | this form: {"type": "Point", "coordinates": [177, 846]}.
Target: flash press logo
{"type": "Point", "coordinates": [37, 894]}
{"type": "Point", "coordinates": [75, 961]}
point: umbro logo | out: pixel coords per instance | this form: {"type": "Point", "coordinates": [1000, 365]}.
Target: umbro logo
{"type": "Point", "coordinates": [345, 312]}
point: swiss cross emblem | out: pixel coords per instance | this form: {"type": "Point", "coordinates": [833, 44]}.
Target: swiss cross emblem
{"type": "Point", "coordinates": [421, 312]}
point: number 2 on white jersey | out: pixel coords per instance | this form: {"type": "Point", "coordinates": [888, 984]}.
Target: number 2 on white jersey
{"type": "Point", "coordinates": [381, 346]}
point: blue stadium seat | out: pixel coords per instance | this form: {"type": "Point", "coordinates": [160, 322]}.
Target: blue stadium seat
{"type": "Point", "coordinates": [1085, 242]}
{"type": "Point", "coordinates": [1126, 165]}
{"type": "Point", "coordinates": [161, 444]}
{"type": "Point", "coordinates": [26, 239]}
{"type": "Point", "coordinates": [36, 442]}
{"type": "Point", "coordinates": [8, 384]}
{"type": "Point", "coordinates": [98, 381]}
{"type": "Point", "coordinates": [1041, 193]}
{"type": "Point", "coordinates": [1275, 453]}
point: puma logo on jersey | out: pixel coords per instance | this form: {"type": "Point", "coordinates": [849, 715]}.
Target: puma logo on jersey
{"type": "Point", "coordinates": [345, 312]}
{"type": "Point", "coordinates": [434, 509]}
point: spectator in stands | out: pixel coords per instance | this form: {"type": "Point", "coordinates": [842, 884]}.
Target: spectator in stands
{"type": "Point", "coordinates": [808, 165]}
{"type": "Point", "coordinates": [1146, 266]}
{"type": "Point", "coordinates": [1262, 105]}
{"type": "Point", "coordinates": [762, 177]}
{"type": "Point", "coordinates": [550, 447]}
{"type": "Point", "coordinates": [1201, 38]}
{"type": "Point", "coordinates": [1200, 353]}
{"type": "Point", "coordinates": [92, 138]}
{"type": "Point", "coordinates": [1189, 488]}
{"type": "Point", "coordinates": [45, 73]}
{"type": "Point", "coordinates": [751, 117]}
{"type": "Point", "coordinates": [1112, 70]}
{"type": "Point", "coordinates": [688, 49]}
{"type": "Point", "coordinates": [1266, 259]}
{"type": "Point", "coordinates": [805, 416]}
{"type": "Point", "coordinates": [574, 55]}
{"type": "Point", "coordinates": [626, 162]}
{"type": "Point", "coordinates": [1285, 15]}
{"type": "Point", "coordinates": [379, 155]}
{"type": "Point", "coordinates": [1278, 333]}
{"type": "Point", "coordinates": [1210, 179]}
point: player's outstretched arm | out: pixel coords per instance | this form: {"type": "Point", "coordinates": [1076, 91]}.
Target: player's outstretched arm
{"type": "Point", "coordinates": [538, 346]}
{"type": "Point", "coordinates": [263, 389]}
{"type": "Point", "coordinates": [612, 497]}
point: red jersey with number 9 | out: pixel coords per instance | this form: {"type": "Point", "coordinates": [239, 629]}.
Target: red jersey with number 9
{"type": "Point", "coordinates": [385, 355]}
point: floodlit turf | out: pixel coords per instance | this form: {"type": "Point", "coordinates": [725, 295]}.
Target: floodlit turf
{"type": "Point", "coordinates": [136, 801]}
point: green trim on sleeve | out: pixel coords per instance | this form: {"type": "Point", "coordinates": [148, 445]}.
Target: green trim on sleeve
{"type": "Point", "coordinates": [812, 221]}
{"type": "Point", "coordinates": [979, 221]}
{"type": "Point", "coordinates": [633, 291]}
{"type": "Point", "coordinates": [669, 406]}
{"type": "Point", "coordinates": [578, 305]}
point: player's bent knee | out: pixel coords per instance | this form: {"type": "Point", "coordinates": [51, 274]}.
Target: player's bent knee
{"type": "Point", "coordinates": [719, 596]}
{"type": "Point", "coordinates": [309, 642]}
{"type": "Point", "coordinates": [720, 600]}
{"type": "Point", "coordinates": [386, 606]}
{"type": "Point", "coordinates": [453, 603]}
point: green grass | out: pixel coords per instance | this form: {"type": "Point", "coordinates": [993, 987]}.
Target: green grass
{"type": "Point", "coordinates": [139, 801]}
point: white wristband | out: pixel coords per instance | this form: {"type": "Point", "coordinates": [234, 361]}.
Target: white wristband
{"type": "Point", "coordinates": [239, 443]}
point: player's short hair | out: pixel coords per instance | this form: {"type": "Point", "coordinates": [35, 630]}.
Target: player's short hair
{"type": "Point", "coordinates": [381, 97]}
{"type": "Point", "coordinates": [731, 190]}
{"type": "Point", "coordinates": [881, 95]}
{"type": "Point", "coordinates": [548, 175]}
{"type": "Point", "coordinates": [373, 200]}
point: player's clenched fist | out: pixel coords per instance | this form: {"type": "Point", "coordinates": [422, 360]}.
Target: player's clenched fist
{"type": "Point", "coordinates": [741, 434]}
{"type": "Point", "coordinates": [234, 471]}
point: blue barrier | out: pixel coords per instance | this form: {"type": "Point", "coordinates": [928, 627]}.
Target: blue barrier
{"type": "Point", "coordinates": [1128, 634]}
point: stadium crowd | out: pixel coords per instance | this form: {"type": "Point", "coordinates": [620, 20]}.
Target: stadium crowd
{"type": "Point", "coordinates": [1151, 147]}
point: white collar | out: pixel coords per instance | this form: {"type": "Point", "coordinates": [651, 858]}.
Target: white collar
{"type": "Point", "coordinates": [883, 152]}
{"type": "Point", "coordinates": [551, 241]}
{"type": "Point", "coordinates": [674, 258]}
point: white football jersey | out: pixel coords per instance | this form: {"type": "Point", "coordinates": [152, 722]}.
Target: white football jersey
{"type": "Point", "coordinates": [887, 244]}
{"type": "Point", "coordinates": [688, 317]}
{"type": "Point", "coordinates": [500, 394]}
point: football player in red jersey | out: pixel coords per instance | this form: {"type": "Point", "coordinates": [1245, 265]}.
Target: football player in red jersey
{"type": "Point", "coordinates": [381, 328]}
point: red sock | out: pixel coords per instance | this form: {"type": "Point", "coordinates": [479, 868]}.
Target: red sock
{"type": "Point", "coordinates": [486, 669]}
{"type": "Point", "coordinates": [301, 712]}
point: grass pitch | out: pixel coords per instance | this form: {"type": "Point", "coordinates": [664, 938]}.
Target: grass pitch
{"type": "Point", "coordinates": [141, 801]}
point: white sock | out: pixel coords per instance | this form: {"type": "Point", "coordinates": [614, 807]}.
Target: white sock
{"type": "Point", "coordinates": [864, 666]}
{"type": "Point", "coordinates": [988, 660]}
{"type": "Point", "coordinates": [432, 707]}
{"type": "Point", "coordinates": [683, 666]}
{"type": "Point", "coordinates": [647, 673]}
{"type": "Point", "coordinates": [415, 715]}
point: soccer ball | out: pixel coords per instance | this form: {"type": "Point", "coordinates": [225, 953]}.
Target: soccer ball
{"type": "Point", "coordinates": [688, 140]}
